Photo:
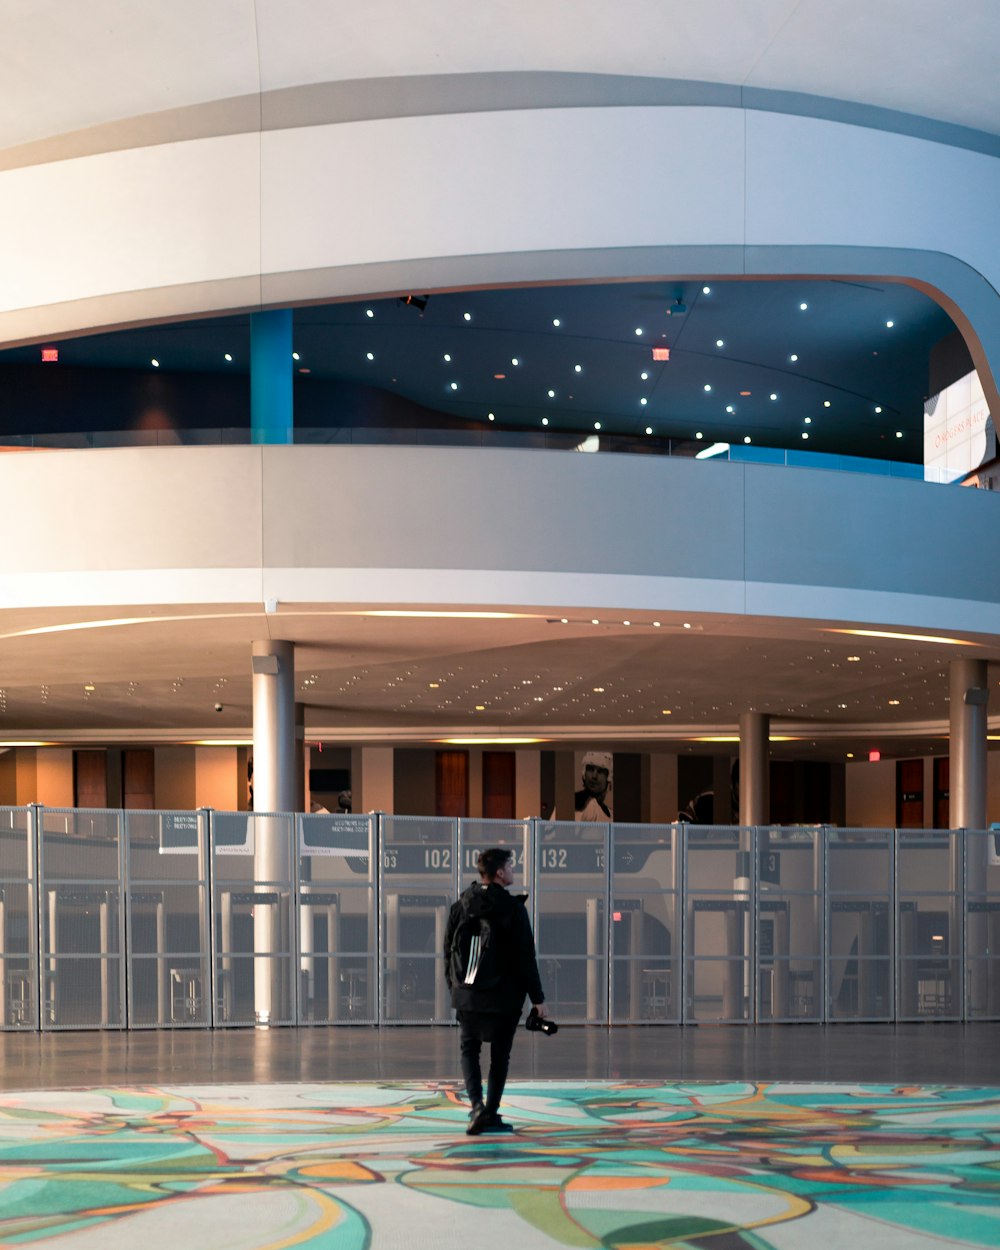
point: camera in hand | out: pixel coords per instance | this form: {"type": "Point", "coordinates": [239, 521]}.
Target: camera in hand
{"type": "Point", "coordinates": [539, 1024]}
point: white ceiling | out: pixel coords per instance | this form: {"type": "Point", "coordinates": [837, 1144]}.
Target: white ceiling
{"type": "Point", "coordinates": [68, 66]}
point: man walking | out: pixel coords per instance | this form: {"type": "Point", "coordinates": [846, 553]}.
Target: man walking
{"type": "Point", "coordinates": [490, 965]}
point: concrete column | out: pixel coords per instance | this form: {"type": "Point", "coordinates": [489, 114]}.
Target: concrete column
{"type": "Point", "coordinates": [275, 779]}
{"type": "Point", "coordinates": [274, 768]}
{"type": "Point", "coordinates": [300, 757]}
{"type": "Point", "coordinates": [271, 376]}
{"type": "Point", "coordinates": [970, 694]}
{"type": "Point", "coordinates": [755, 765]}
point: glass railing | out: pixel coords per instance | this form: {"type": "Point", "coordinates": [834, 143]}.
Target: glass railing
{"type": "Point", "coordinates": [147, 919]}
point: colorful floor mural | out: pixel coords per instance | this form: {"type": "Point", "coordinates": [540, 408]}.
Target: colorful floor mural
{"type": "Point", "coordinates": [593, 1164]}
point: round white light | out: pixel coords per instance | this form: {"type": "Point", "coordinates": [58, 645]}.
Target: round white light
{"type": "Point", "coordinates": [155, 363]}
{"type": "Point", "coordinates": [556, 322]}
{"type": "Point", "coordinates": [793, 358]}
{"type": "Point", "coordinates": [644, 401]}
{"type": "Point", "coordinates": [706, 290]}
{"type": "Point", "coordinates": [638, 329]}
{"type": "Point", "coordinates": [447, 358]}
{"type": "Point", "coordinates": [644, 376]}
{"type": "Point", "coordinates": [370, 355]}
{"type": "Point", "coordinates": [229, 356]}
{"type": "Point", "coordinates": [467, 316]}
{"type": "Point", "coordinates": [899, 433]}
{"type": "Point", "coordinates": [369, 312]}
{"type": "Point", "coordinates": [578, 368]}
{"type": "Point", "coordinates": [295, 356]}
{"type": "Point", "coordinates": [889, 325]}
{"type": "Point", "coordinates": [707, 387]}
{"type": "Point", "coordinates": [747, 439]}
{"type": "Point", "coordinates": [454, 386]}
{"type": "Point", "coordinates": [807, 420]}
{"type": "Point", "coordinates": [491, 416]}
{"type": "Point", "coordinates": [774, 395]}
{"type": "Point", "coordinates": [552, 394]}
{"type": "Point", "coordinates": [803, 307]}
{"type": "Point", "coordinates": [699, 435]}
{"type": "Point", "coordinates": [719, 343]}
{"type": "Point", "coordinates": [649, 429]}
{"type": "Point", "coordinates": [597, 425]}
{"type": "Point", "coordinates": [805, 434]}
{"type": "Point", "coordinates": [545, 420]}
{"type": "Point", "coordinates": [877, 408]}
{"type": "Point", "coordinates": [826, 403]}
{"type": "Point", "coordinates": [730, 408]}
{"type": "Point", "coordinates": [514, 361]}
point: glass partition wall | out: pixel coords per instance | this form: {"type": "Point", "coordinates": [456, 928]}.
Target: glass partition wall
{"type": "Point", "coordinates": [112, 920]}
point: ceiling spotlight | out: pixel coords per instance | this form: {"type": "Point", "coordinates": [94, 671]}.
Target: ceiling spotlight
{"type": "Point", "coordinates": [556, 322]}
{"type": "Point", "coordinates": [638, 330]}
{"type": "Point", "coordinates": [229, 356]}
{"type": "Point", "coordinates": [369, 355]}
{"type": "Point", "coordinates": [774, 395]}
{"type": "Point", "coordinates": [545, 420]}
{"type": "Point", "coordinates": [644, 401]}
{"type": "Point", "coordinates": [803, 307]}
{"type": "Point", "coordinates": [491, 417]}
{"type": "Point", "coordinates": [805, 434]}
{"type": "Point", "coordinates": [826, 403]}
{"type": "Point", "coordinates": [707, 387]}
{"type": "Point", "coordinates": [597, 425]}
{"type": "Point", "coordinates": [467, 316]}
{"type": "Point", "coordinates": [295, 356]}
{"type": "Point", "coordinates": [369, 312]}
{"type": "Point", "coordinates": [793, 358]}
{"type": "Point", "coordinates": [447, 358]}
{"type": "Point", "coordinates": [706, 290]}
{"type": "Point", "coordinates": [514, 361]}
{"type": "Point", "coordinates": [889, 325]}
{"type": "Point", "coordinates": [899, 433]}
{"type": "Point", "coordinates": [453, 385]}
{"type": "Point", "coordinates": [730, 408]}
{"type": "Point", "coordinates": [720, 343]}
{"type": "Point", "coordinates": [878, 408]}
{"type": "Point", "coordinates": [578, 368]}
{"type": "Point", "coordinates": [155, 363]}
{"type": "Point", "coordinates": [649, 429]}
{"type": "Point", "coordinates": [687, 625]}
{"type": "Point", "coordinates": [644, 376]}
{"type": "Point", "coordinates": [747, 439]}
{"type": "Point", "coordinates": [419, 302]}
{"type": "Point", "coordinates": [552, 394]}
{"type": "Point", "coordinates": [699, 435]}
{"type": "Point", "coordinates": [807, 420]}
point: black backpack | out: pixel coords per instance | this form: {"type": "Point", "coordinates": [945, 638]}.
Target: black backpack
{"type": "Point", "coordinates": [474, 958]}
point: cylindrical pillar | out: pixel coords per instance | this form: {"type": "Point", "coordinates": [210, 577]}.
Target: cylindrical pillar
{"type": "Point", "coordinates": [755, 764]}
{"type": "Point", "coordinates": [271, 376]}
{"type": "Point", "coordinates": [970, 693]}
{"type": "Point", "coordinates": [274, 790]}
{"type": "Point", "coordinates": [274, 767]}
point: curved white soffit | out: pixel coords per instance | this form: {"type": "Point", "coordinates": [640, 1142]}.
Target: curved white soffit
{"type": "Point", "coordinates": [450, 526]}
{"type": "Point", "coordinates": [343, 210]}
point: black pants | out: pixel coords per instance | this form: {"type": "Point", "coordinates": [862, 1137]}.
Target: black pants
{"type": "Point", "coordinates": [498, 1029]}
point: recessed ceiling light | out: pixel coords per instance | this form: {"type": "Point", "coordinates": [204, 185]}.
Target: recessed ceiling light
{"type": "Point", "coordinates": [730, 408]}
{"type": "Point", "coordinates": [434, 685]}
{"type": "Point", "coordinates": [514, 361]}
{"type": "Point", "coordinates": [720, 343]}
{"type": "Point", "coordinates": [667, 712]}
{"type": "Point", "coordinates": [552, 394]}
{"type": "Point", "coordinates": [491, 416]}
{"type": "Point", "coordinates": [369, 355]}
{"type": "Point", "coordinates": [644, 376]}
{"type": "Point", "coordinates": [556, 322]}
{"type": "Point", "coordinates": [90, 687]}
{"type": "Point", "coordinates": [707, 387]}
{"type": "Point", "coordinates": [774, 395]}
{"type": "Point", "coordinates": [803, 307]}
{"type": "Point", "coordinates": [578, 368]}
{"type": "Point", "coordinates": [687, 625]}
{"type": "Point", "coordinates": [805, 434]}
{"type": "Point", "coordinates": [842, 706]}
{"type": "Point", "coordinates": [644, 401]}
{"type": "Point", "coordinates": [545, 420]}
{"type": "Point", "coordinates": [595, 622]}
{"type": "Point", "coordinates": [229, 356]}
{"type": "Point", "coordinates": [638, 329]}
{"type": "Point", "coordinates": [850, 755]}
{"type": "Point", "coordinates": [565, 620]}
{"type": "Point", "coordinates": [889, 325]}
{"type": "Point", "coordinates": [454, 386]}
{"type": "Point", "coordinates": [597, 425]}
{"type": "Point", "coordinates": [878, 408]}
{"type": "Point", "coordinates": [649, 429]}
{"type": "Point", "coordinates": [598, 690]}
{"type": "Point", "coordinates": [656, 624]}
{"type": "Point", "coordinates": [626, 622]}
{"type": "Point", "coordinates": [295, 356]}
{"type": "Point", "coordinates": [807, 420]}
{"type": "Point", "coordinates": [894, 703]}
{"type": "Point", "coordinates": [699, 435]}
{"type": "Point", "coordinates": [369, 312]}
{"type": "Point", "coordinates": [447, 358]}
{"type": "Point", "coordinates": [706, 290]}
{"type": "Point", "coordinates": [853, 659]}
{"type": "Point", "coordinates": [467, 316]}
{"type": "Point", "coordinates": [155, 363]}
{"type": "Point", "coordinates": [826, 403]}
{"type": "Point", "coordinates": [899, 433]}
{"type": "Point", "coordinates": [793, 358]}
{"type": "Point", "coordinates": [480, 707]}
{"type": "Point", "coordinates": [747, 439]}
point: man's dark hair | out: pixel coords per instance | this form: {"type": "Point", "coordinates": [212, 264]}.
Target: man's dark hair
{"type": "Point", "coordinates": [490, 862]}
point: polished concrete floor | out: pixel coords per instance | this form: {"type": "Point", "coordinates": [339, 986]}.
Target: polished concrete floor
{"type": "Point", "coordinates": [950, 1054]}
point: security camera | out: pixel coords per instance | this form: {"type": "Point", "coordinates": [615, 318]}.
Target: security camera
{"type": "Point", "coordinates": [218, 707]}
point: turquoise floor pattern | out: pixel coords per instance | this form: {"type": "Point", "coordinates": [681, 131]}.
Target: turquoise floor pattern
{"type": "Point", "coordinates": [604, 1164]}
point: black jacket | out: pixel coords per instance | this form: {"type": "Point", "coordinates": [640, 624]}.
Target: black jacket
{"type": "Point", "coordinates": [515, 949]}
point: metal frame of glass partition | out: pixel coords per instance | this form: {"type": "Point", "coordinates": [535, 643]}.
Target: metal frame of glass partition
{"type": "Point", "coordinates": [112, 919]}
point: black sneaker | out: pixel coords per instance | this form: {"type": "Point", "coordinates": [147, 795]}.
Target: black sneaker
{"type": "Point", "coordinates": [478, 1119]}
{"type": "Point", "coordinates": [495, 1124]}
